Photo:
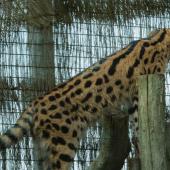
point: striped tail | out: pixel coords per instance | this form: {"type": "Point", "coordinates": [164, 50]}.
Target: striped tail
{"type": "Point", "coordinates": [21, 128]}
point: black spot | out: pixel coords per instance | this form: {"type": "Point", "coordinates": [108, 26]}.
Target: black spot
{"type": "Point", "coordinates": [109, 90]}
{"type": "Point", "coordinates": [76, 118]}
{"type": "Point", "coordinates": [87, 84]}
{"type": "Point", "coordinates": [36, 118]}
{"type": "Point", "coordinates": [87, 75]}
{"type": "Point", "coordinates": [130, 72]}
{"type": "Point", "coordinates": [52, 98]}
{"type": "Point", "coordinates": [131, 82]}
{"type": "Point", "coordinates": [64, 129]}
{"type": "Point", "coordinates": [136, 119]}
{"type": "Point", "coordinates": [118, 82]}
{"type": "Point", "coordinates": [158, 70]}
{"type": "Point", "coordinates": [98, 99]}
{"type": "Point", "coordinates": [81, 118]}
{"type": "Point", "coordinates": [154, 56]}
{"type": "Point", "coordinates": [106, 79]}
{"type": "Point", "coordinates": [77, 82]}
{"type": "Point", "coordinates": [65, 112]}
{"type": "Point", "coordinates": [74, 133]}
{"type": "Point", "coordinates": [87, 97]}
{"type": "Point", "coordinates": [116, 61]}
{"type": "Point", "coordinates": [65, 158]}
{"type": "Point", "coordinates": [58, 164]}
{"type": "Point", "coordinates": [54, 152]}
{"type": "Point", "coordinates": [52, 107]}
{"type": "Point", "coordinates": [121, 87]}
{"type": "Point", "coordinates": [99, 90]}
{"type": "Point", "coordinates": [135, 98]}
{"type": "Point", "coordinates": [2, 145]}
{"type": "Point", "coordinates": [45, 134]}
{"type": "Point", "coordinates": [69, 88]}
{"type": "Point", "coordinates": [57, 95]}
{"type": "Point", "coordinates": [35, 103]}
{"type": "Point", "coordinates": [132, 109]}
{"type": "Point", "coordinates": [146, 44]}
{"type": "Point", "coordinates": [72, 94]}
{"type": "Point", "coordinates": [12, 137]}
{"type": "Point", "coordinates": [136, 63]}
{"type": "Point", "coordinates": [86, 108]}
{"type": "Point", "coordinates": [71, 146]}
{"type": "Point", "coordinates": [56, 126]}
{"type": "Point", "coordinates": [68, 121]}
{"type": "Point", "coordinates": [56, 116]}
{"type": "Point", "coordinates": [142, 52]}
{"type": "Point", "coordinates": [74, 108]}
{"type": "Point", "coordinates": [148, 71]}
{"type": "Point", "coordinates": [113, 98]}
{"type": "Point", "coordinates": [99, 81]}
{"type": "Point", "coordinates": [67, 100]}
{"type": "Point", "coordinates": [48, 127]}
{"type": "Point", "coordinates": [102, 60]}
{"type": "Point", "coordinates": [96, 68]}
{"type": "Point", "coordinates": [146, 61]}
{"type": "Point", "coordinates": [41, 122]}
{"type": "Point", "coordinates": [161, 38]}
{"type": "Point", "coordinates": [40, 98]}
{"type": "Point", "coordinates": [47, 121]}
{"type": "Point", "coordinates": [58, 140]}
{"type": "Point", "coordinates": [78, 91]}
{"type": "Point", "coordinates": [62, 85]}
{"type": "Point", "coordinates": [44, 111]}
{"type": "Point", "coordinates": [62, 103]}
{"type": "Point", "coordinates": [94, 110]}
{"type": "Point", "coordinates": [154, 69]}
{"type": "Point", "coordinates": [42, 104]}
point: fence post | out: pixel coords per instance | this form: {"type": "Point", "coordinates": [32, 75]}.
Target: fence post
{"type": "Point", "coordinates": [168, 143]}
{"type": "Point", "coordinates": [152, 122]}
{"type": "Point", "coordinates": [115, 145]}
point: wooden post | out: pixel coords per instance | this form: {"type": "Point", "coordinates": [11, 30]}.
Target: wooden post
{"type": "Point", "coordinates": [133, 163]}
{"type": "Point", "coordinates": [41, 52]}
{"type": "Point", "coordinates": [115, 145]}
{"type": "Point", "coordinates": [168, 144]}
{"type": "Point", "coordinates": [152, 122]}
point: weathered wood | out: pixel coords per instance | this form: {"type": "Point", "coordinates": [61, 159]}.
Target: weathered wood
{"type": "Point", "coordinates": [41, 50]}
{"type": "Point", "coordinates": [133, 164]}
{"type": "Point", "coordinates": [115, 145]}
{"type": "Point", "coordinates": [152, 122]}
{"type": "Point", "coordinates": [168, 144]}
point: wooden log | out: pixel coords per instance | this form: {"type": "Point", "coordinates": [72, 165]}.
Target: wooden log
{"type": "Point", "coordinates": [152, 122]}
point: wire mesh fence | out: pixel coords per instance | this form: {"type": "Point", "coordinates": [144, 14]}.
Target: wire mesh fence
{"type": "Point", "coordinates": [33, 60]}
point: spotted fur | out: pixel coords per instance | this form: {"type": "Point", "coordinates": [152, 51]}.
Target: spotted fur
{"type": "Point", "coordinates": [57, 119]}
